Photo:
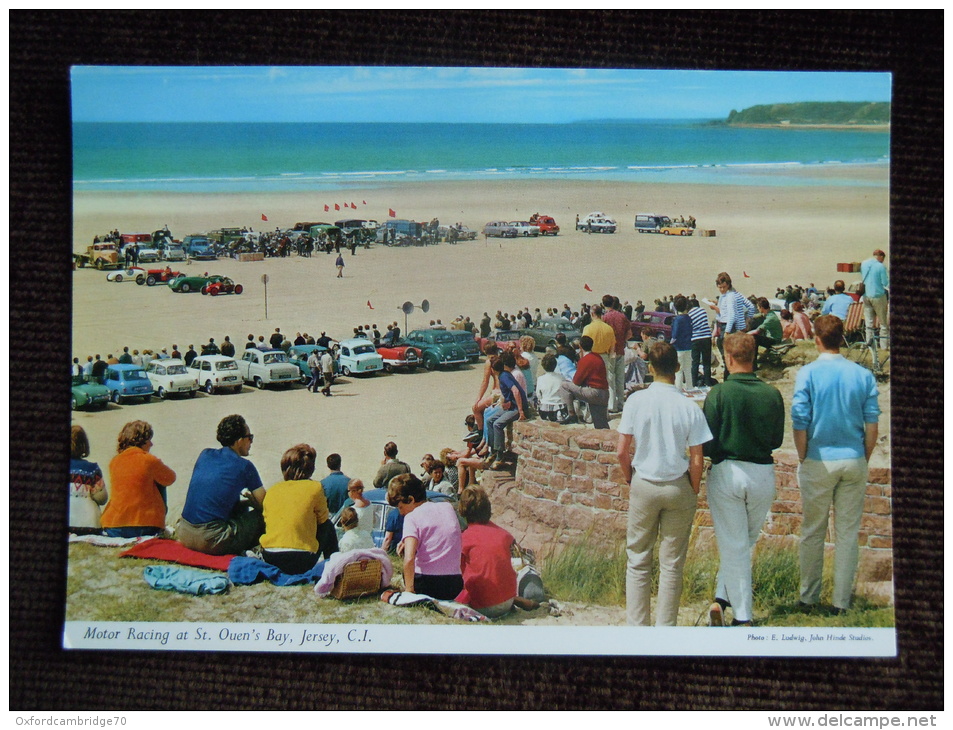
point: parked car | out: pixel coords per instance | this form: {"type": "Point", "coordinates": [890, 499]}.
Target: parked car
{"type": "Point", "coordinates": [222, 285]}
{"type": "Point", "coordinates": [651, 223]}
{"type": "Point", "coordinates": [596, 222]}
{"type": "Point", "coordinates": [88, 393]}
{"type": "Point", "coordinates": [131, 274]}
{"type": "Point", "coordinates": [456, 233]}
{"type": "Point", "coordinates": [226, 235]}
{"type": "Point", "coordinates": [357, 356]}
{"type": "Point", "coordinates": [378, 500]}
{"type": "Point", "coordinates": [199, 247]}
{"type": "Point", "coordinates": [503, 338]}
{"type": "Point", "coordinates": [157, 276]}
{"type": "Point", "coordinates": [438, 348]}
{"type": "Point", "coordinates": [127, 381]}
{"type": "Point", "coordinates": [525, 228]}
{"type": "Point", "coordinates": [466, 340]}
{"type": "Point", "coordinates": [186, 284]}
{"type": "Point", "coordinates": [148, 253]}
{"type": "Point", "coordinates": [399, 357]}
{"type": "Point", "coordinates": [658, 324]}
{"type": "Point", "coordinates": [547, 226]}
{"type": "Point", "coordinates": [298, 356]}
{"type": "Point", "coordinates": [544, 332]}
{"type": "Point", "coordinates": [217, 373]}
{"type": "Point", "coordinates": [499, 229]}
{"type": "Point", "coordinates": [267, 367]}
{"type": "Point", "coordinates": [171, 377]}
{"type": "Point", "coordinates": [400, 228]}
{"type": "Point", "coordinates": [172, 252]}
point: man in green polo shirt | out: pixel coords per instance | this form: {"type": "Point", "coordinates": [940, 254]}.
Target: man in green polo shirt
{"type": "Point", "coordinates": [769, 332]}
{"type": "Point", "coordinates": [746, 418]}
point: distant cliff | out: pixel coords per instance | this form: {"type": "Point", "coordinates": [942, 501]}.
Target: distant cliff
{"type": "Point", "coordinates": [821, 113]}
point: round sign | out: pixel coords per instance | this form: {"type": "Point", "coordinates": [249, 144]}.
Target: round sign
{"type": "Point", "coordinates": [407, 308]}
{"type": "Point", "coordinates": [425, 305]}
{"type": "Point", "coordinates": [264, 278]}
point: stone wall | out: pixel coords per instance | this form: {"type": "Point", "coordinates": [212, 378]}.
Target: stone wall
{"type": "Point", "coordinates": [568, 484]}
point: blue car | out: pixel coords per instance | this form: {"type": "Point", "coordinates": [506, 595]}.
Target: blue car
{"type": "Point", "coordinates": [126, 382]}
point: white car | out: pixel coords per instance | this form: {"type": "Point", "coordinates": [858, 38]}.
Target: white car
{"type": "Point", "coordinates": [267, 367]}
{"type": "Point", "coordinates": [173, 252]}
{"type": "Point", "coordinates": [131, 274]}
{"type": "Point", "coordinates": [525, 228]}
{"type": "Point", "coordinates": [171, 377]}
{"type": "Point", "coordinates": [217, 373]}
{"type": "Point", "coordinates": [358, 356]}
{"type": "Point", "coordinates": [596, 222]}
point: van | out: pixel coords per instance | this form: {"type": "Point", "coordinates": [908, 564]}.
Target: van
{"type": "Point", "coordinates": [649, 223]}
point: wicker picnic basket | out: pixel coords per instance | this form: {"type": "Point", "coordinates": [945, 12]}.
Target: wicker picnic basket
{"type": "Point", "coordinates": [358, 579]}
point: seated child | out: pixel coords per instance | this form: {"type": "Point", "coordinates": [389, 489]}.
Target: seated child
{"type": "Point", "coordinates": [353, 539]}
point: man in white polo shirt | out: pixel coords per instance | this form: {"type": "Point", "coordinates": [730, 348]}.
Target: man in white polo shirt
{"type": "Point", "coordinates": [661, 424]}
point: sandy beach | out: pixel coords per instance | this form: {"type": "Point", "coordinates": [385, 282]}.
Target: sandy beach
{"type": "Point", "coordinates": [765, 238]}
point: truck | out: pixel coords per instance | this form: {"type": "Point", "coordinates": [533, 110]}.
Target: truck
{"type": "Point", "coordinates": [102, 255]}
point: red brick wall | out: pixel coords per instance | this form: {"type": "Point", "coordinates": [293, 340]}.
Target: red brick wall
{"type": "Point", "coordinates": [568, 483]}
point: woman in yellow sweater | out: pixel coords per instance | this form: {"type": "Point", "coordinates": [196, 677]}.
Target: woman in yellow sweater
{"type": "Point", "coordinates": [136, 504]}
{"type": "Point", "coordinates": [293, 510]}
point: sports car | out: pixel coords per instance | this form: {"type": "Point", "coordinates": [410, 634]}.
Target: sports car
{"type": "Point", "coordinates": [88, 393]}
{"type": "Point", "coordinates": [154, 276]}
{"type": "Point", "coordinates": [185, 284]}
{"type": "Point", "coordinates": [399, 357]}
{"type": "Point", "coordinates": [131, 274]}
{"type": "Point", "coordinates": [222, 285]}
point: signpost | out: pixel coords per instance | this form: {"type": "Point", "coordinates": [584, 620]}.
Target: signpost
{"type": "Point", "coordinates": [264, 280]}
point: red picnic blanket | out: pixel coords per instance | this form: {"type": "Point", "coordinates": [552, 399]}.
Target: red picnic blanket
{"type": "Point", "coordinates": [175, 552]}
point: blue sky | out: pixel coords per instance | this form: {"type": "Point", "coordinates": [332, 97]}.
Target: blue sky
{"type": "Point", "coordinates": [397, 94]}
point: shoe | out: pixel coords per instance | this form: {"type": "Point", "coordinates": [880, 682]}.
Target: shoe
{"type": "Point", "coordinates": [736, 622]}
{"type": "Point", "coordinates": [716, 616]}
{"type": "Point", "coordinates": [569, 421]}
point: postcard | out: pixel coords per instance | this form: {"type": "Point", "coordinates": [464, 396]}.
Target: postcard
{"type": "Point", "coordinates": [480, 361]}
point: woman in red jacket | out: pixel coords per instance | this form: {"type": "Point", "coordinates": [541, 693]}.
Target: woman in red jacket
{"type": "Point", "coordinates": [138, 479]}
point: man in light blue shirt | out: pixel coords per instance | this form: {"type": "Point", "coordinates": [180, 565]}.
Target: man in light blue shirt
{"type": "Point", "coordinates": [876, 282]}
{"type": "Point", "coordinates": [835, 412]}
{"type": "Point", "coordinates": [839, 303]}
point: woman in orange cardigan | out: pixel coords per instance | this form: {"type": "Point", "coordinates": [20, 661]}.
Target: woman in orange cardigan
{"type": "Point", "coordinates": [136, 504]}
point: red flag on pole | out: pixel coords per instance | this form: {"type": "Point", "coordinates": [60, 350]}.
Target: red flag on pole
{"type": "Point", "coordinates": [392, 213]}
{"type": "Point", "coordinates": [588, 288]}
{"type": "Point", "coordinates": [337, 207]}
{"type": "Point", "coordinates": [353, 206]}
{"type": "Point", "coordinates": [364, 202]}
{"type": "Point", "coordinates": [746, 274]}
{"type": "Point", "coordinates": [264, 217]}
{"type": "Point", "coordinates": [369, 304]}
{"type": "Point", "coordinates": [326, 209]}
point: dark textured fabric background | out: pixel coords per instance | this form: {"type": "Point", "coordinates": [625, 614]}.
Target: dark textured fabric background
{"type": "Point", "coordinates": [42, 48]}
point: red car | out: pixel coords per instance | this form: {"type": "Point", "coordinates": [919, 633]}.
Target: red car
{"type": "Point", "coordinates": [547, 226]}
{"type": "Point", "coordinates": [657, 324]}
{"type": "Point", "coordinates": [222, 285]}
{"type": "Point", "coordinates": [154, 276]}
{"type": "Point", "coordinates": [398, 357]}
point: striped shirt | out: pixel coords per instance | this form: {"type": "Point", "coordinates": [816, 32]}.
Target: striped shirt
{"type": "Point", "coordinates": [734, 308]}
{"type": "Point", "coordinates": [701, 327]}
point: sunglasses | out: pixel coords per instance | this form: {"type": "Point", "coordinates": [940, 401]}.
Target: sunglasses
{"type": "Point", "coordinates": [250, 437]}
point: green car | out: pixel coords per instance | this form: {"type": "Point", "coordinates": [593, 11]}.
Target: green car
{"type": "Point", "coordinates": [88, 393]}
{"type": "Point", "coordinates": [438, 348]}
{"type": "Point", "coordinates": [185, 284]}
{"type": "Point", "coordinates": [544, 332]}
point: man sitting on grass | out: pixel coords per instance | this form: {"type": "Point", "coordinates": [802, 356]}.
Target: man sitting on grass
{"type": "Point", "coordinates": [222, 513]}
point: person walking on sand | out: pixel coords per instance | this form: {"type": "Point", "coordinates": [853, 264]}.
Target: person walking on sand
{"type": "Point", "coordinates": [340, 264]}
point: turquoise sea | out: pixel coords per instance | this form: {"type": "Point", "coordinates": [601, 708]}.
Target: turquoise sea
{"type": "Point", "coordinates": [239, 157]}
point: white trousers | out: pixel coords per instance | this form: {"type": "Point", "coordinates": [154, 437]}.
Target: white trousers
{"type": "Point", "coordinates": [739, 496]}
{"type": "Point", "coordinates": [683, 378]}
{"type": "Point", "coordinates": [615, 374]}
